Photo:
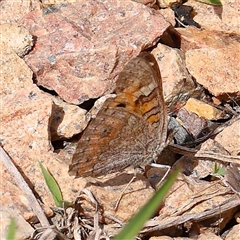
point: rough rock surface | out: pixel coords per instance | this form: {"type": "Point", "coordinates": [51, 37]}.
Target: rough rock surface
{"type": "Point", "coordinates": [23, 40]}
{"type": "Point", "coordinates": [146, 2]}
{"type": "Point", "coordinates": [34, 132]}
{"type": "Point", "coordinates": [234, 233]}
{"type": "Point", "coordinates": [167, 3]}
{"type": "Point", "coordinates": [67, 120]}
{"type": "Point", "coordinates": [15, 73]}
{"type": "Point", "coordinates": [9, 211]}
{"type": "Point", "coordinates": [82, 47]}
{"type": "Point", "coordinates": [221, 78]}
{"type": "Point", "coordinates": [194, 38]}
{"type": "Point", "coordinates": [229, 138]}
{"type": "Point", "coordinates": [26, 118]}
{"type": "Point", "coordinates": [168, 15]}
{"type": "Point", "coordinates": [222, 18]}
{"type": "Point", "coordinates": [202, 48]}
{"type": "Point", "coordinates": [12, 11]}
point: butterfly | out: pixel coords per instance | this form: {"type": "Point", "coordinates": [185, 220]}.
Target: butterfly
{"type": "Point", "coordinates": [130, 129]}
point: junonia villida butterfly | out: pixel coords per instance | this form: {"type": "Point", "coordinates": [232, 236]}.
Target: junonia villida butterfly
{"type": "Point", "coordinates": [130, 129]}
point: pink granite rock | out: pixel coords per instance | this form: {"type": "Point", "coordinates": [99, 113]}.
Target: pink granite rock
{"type": "Point", "coordinates": [229, 138]}
{"type": "Point", "coordinates": [212, 58]}
{"type": "Point", "coordinates": [16, 37]}
{"type": "Point", "coordinates": [146, 2]}
{"type": "Point", "coordinates": [25, 136]}
{"type": "Point", "coordinates": [12, 11]}
{"type": "Point", "coordinates": [82, 47]}
{"type": "Point", "coordinates": [168, 14]}
{"type": "Point", "coordinates": [25, 118]}
{"type": "Point", "coordinates": [221, 18]}
{"type": "Point", "coordinates": [216, 69]}
{"type": "Point", "coordinates": [67, 120]}
{"type": "Point", "coordinates": [178, 84]}
{"type": "Point", "coordinates": [194, 38]}
{"type": "Point", "coordinates": [11, 80]}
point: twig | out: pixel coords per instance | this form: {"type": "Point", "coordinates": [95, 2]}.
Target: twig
{"type": "Point", "coordinates": [189, 152]}
{"type": "Point", "coordinates": [180, 22]}
{"type": "Point", "coordinates": [24, 187]}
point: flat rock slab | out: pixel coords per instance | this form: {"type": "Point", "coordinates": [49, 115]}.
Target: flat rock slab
{"type": "Point", "coordinates": [212, 58]}
{"type": "Point", "coordinates": [82, 47]}
{"type": "Point", "coordinates": [221, 77]}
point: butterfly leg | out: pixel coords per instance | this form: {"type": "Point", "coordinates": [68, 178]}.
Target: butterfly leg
{"type": "Point", "coordinates": [124, 190]}
{"type": "Point", "coordinates": [156, 165]}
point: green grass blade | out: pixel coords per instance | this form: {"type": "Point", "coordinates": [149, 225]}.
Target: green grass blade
{"type": "Point", "coordinates": [52, 186]}
{"type": "Point", "coordinates": [137, 222]}
{"type": "Point", "coordinates": [211, 2]}
{"type": "Point", "coordinates": [11, 232]}
{"type": "Point", "coordinates": [219, 170]}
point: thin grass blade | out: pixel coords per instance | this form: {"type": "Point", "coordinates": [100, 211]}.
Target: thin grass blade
{"type": "Point", "coordinates": [11, 232]}
{"type": "Point", "coordinates": [211, 2]}
{"type": "Point", "coordinates": [52, 186]}
{"type": "Point", "coordinates": [137, 222]}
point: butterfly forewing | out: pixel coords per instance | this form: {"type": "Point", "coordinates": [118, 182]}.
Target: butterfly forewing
{"type": "Point", "coordinates": [130, 129]}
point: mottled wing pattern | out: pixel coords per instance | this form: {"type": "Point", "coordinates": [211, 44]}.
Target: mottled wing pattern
{"type": "Point", "coordinates": [130, 129]}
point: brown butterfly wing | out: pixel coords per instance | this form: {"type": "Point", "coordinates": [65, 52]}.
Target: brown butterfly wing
{"type": "Point", "coordinates": [130, 129]}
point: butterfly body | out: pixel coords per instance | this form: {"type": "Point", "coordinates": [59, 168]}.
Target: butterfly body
{"type": "Point", "coordinates": [130, 129]}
